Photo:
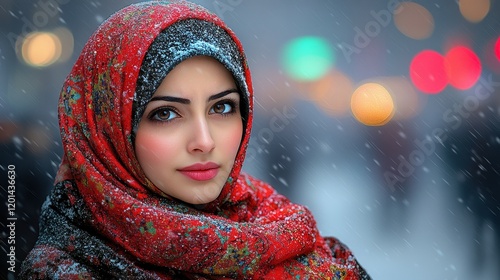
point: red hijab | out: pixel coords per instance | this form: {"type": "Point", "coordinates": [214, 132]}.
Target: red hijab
{"type": "Point", "coordinates": [105, 219]}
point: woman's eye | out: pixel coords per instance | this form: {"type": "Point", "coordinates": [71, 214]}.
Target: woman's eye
{"type": "Point", "coordinates": [222, 108]}
{"type": "Point", "coordinates": [164, 114]}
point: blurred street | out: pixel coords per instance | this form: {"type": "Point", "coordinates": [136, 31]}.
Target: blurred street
{"type": "Point", "coordinates": [383, 117]}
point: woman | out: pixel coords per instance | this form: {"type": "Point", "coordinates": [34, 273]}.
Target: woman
{"type": "Point", "coordinates": [155, 118]}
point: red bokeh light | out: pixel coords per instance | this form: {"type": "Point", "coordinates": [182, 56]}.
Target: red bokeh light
{"type": "Point", "coordinates": [497, 49]}
{"type": "Point", "coordinates": [427, 72]}
{"type": "Point", "coordinates": [463, 67]}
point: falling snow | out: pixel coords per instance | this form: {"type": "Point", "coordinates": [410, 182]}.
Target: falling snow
{"type": "Point", "coordinates": [438, 218]}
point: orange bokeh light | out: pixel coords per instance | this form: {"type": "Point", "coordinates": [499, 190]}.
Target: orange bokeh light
{"type": "Point", "coordinates": [414, 20]}
{"type": "Point", "coordinates": [372, 104]}
{"type": "Point", "coordinates": [332, 93]}
{"type": "Point", "coordinates": [407, 102]}
{"type": "Point", "coordinates": [474, 10]}
{"type": "Point", "coordinates": [41, 49]}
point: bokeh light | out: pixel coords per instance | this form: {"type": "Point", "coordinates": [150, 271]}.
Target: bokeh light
{"type": "Point", "coordinates": [489, 57]}
{"type": "Point", "coordinates": [67, 43]}
{"type": "Point", "coordinates": [372, 104]}
{"type": "Point", "coordinates": [497, 48]}
{"type": "Point", "coordinates": [407, 102]}
{"type": "Point", "coordinates": [307, 58]}
{"type": "Point", "coordinates": [414, 20]}
{"type": "Point", "coordinates": [474, 10]}
{"type": "Point", "coordinates": [427, 72]}
{"type": "Point", "coordinates": [332, 93]}
{"type": "Point", "coordinates": [41, 49]}
{"type": "Point", "coordinates": [463, 67]}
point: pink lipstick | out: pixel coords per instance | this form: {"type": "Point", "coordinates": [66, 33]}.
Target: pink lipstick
{"type": "Point", "coordinates": [201, 171]}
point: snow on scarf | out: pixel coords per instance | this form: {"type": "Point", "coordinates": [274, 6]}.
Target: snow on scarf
{"type": "Point", "coordinates": [104, 219]}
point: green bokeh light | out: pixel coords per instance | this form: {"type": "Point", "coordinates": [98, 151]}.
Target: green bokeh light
{"type": "Point", "coordinates": [307, 58]}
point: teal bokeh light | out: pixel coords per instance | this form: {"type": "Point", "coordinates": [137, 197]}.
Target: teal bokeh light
{"type": "Point", "coordinates": [307, 58]}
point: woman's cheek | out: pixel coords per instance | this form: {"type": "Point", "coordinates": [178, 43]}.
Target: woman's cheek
{"type": "Point", "coordinates": [153, 148]}
{"type": "Point", "coordinates": [233, 138]}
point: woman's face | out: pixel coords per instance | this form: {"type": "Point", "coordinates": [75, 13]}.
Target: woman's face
{"type": "Point", "coordinates": [191, 130]}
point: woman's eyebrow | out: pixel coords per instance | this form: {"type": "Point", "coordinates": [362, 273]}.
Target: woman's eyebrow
{"type": "Point", "coordinates": [222, 94]}
{"type": "Point", "coordinates": [171, 99]}
{"type": "Point", "coordinates": [187, 101]}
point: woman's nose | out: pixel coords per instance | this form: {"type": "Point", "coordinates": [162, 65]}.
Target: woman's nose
{"type": "Point", "coordinates": [201, 139]}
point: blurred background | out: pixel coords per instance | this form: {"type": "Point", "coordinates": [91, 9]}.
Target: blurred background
{"type": "Point", "coordinates": [383, 117]}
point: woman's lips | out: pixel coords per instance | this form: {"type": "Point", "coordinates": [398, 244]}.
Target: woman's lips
{"type": "Point", "coordinates": [201, 171]}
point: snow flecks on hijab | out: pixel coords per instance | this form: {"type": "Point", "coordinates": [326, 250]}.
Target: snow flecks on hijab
{"type": "Point", "coordinates": [105, 219]}
{"type": "Point", "coordinates": [178, 42]}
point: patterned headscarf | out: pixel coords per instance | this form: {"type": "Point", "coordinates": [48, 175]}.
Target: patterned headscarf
{"type": "Point", "coordinates": [105, 219]}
